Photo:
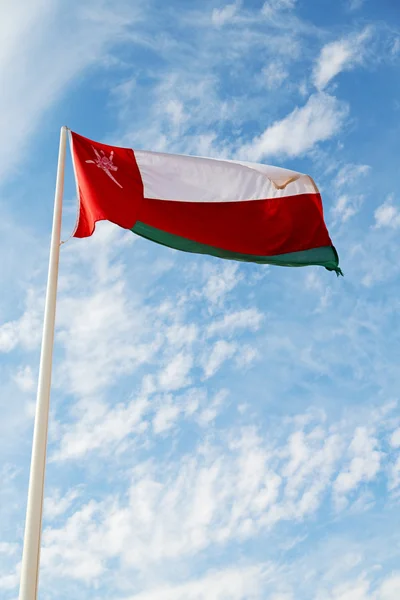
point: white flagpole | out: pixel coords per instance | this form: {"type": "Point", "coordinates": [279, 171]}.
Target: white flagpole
{"type": "Point", "coordinates": [33, 525]}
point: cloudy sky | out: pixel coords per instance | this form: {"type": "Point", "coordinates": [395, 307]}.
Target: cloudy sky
{"type": "Point", "coordinates": [218, 431]}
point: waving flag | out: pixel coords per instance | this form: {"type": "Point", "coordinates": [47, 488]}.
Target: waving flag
{"type": "Point", "coordinates": [229, 209]}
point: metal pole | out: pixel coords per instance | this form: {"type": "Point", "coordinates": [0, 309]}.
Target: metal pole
{"type": "Point", "coordinates": [33, 525]}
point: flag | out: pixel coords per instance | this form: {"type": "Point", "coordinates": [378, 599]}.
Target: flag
{"type": "Point", "coordinates": [229, 209]}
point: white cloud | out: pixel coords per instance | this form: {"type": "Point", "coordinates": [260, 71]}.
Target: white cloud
{"type": "Point", "coordinates": [96, 334]}
{"type": "Point", "coordinates": [396, 47]}
{"type": "Point", "coordinates": [221, 16]}
{"type": "Point", "coordinates": [175, 109]}
{"type": "Point", "coordinates": [324, 292]}
{"type": "Point", "coordinates": [34, 77]}
{"type": "Point", "coordinates": [235, 583]}
{"type": "Point", "coordinates": [273, 7]}
{"type": "Point", "coordinates": [181, 334]}
{"type": "Point", "coordinates": [76, 560]}
{"type": "Point", "coordinates": [363, 466]}
{"type": "Point", "coordinates": [167, 514]}
{"type": "Point", "coordinates": [274, 75]}
{"type": "Point", "coordinates": [209, 414]}
{"type": "Point", "coordinates": [232, 488]}
{"type": "Point", "coordinates": [100, 427]}
{"type": "Point", "coordinates": [249, 318]}
{"type": "Point", "coordinates": [8, 549]}
{"type": "Point", "coordinates": [387, 215]}
{"type": "Point", "coordinates": [338, 56]}
{"type": "Point", "coordinates": [395, 439]}
{"type": "Point", "coordinates": [221, 280]}
{"type": "Point", "coordinates": [318, 120]}
{"type": "Point", "coordinates": [346, 207]}
{"type": "Point", "coordinates": [350, 173]}
{"type": "Point", "coordinates": [24, 379]}
{"type": "Point", "coordinates": [246, 355]}
{"type": "Point", "coordinates": [390, 588]}
{"type": "Point", "coordinates": [55, 505]}
{"type": "Point", "coordinates": [9, 582]}
{"type": "Point", "coordinates": [175, 374]}
{"type": "Point", "coordinates": [95, 319]}
{"type": "Point", "coordinates": [394, 475]}
{"type": "Point", "coordinates": [165, 417]}
{"type": "Point", "coordinates": [221, 352]}
{"type": "Point", "coordinates": [25, 331]}
{"type": "Point", "coordinates": [354, 4]}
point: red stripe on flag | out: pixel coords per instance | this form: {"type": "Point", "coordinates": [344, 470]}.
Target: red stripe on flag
{"type": "Point", "coordinates": [260, 227]}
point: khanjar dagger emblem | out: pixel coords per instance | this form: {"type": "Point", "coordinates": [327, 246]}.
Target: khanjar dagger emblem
{"type": "Point", "coordinates": [105, 163]}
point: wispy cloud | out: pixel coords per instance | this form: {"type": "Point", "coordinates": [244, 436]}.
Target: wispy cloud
{"type": "Point", "coordinates": [387, 215]}
{"type": "Point", "coordinates": [221, 352]}
{"type": "Point", "coordinates": [364, 465]}
{"type": "Point", "coordinates": [231, 584]}
{"type": "Point", "coordinates": [346, 207]}
{"type": "Point", "coordinates": [338, 56]}
{"type": "Point", "coordinates": [351, 173]}
{"type": "Point", "coordinates": [221, 16]}
{"type": "Point", "coordinates": [318, 120]}
{"type": "Point", "coordinates": [34, 78]}
{"type": "Point", "coordinates": [353, 5]}
{"type": "Point", "coordinates": [228, 489]}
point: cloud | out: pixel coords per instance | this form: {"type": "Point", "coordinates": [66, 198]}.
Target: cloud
{"type": "Point", "coordinates": [318, 120]}
{"type": "Point", "coordinates": [394, 475]}
{"type": "Point", "coordinates": [395, 47]}
{"type": "Point", "coordinates": [175, 374]}
{"type": "Point", "coordinates": [395, 439]}
{"type": "Point", "coordinates": [387, 215]}
{"type": "Point", "coordinates": [95, 330]}
{"type": "Point", "coordinates": [274, 75]}
{"type": "Point", "coordinates": [350, 174]}
{"type": "Point", "coordinates": [100, 427]}
{"type": "Point", "coordinates": [390, 588]}
{"type": "Point", "coordinates": [346, 207]}
{"type": "Point", "coordinates": [364, 465]}
{"type": "Point", "coordinates": [273, 7]}
{"type": "Point", "coordinates": [9, 581]}
{"type": "Point", "coordinates": [24, 379]}
{"type": "Point", "coordinates": [97, 315]}
{"type": "Point", "coordinates": [221, 16]}
{"type": "Point", "coordinates": [56, 505]}
{"type": "Point", "coordinates": [235, 583]}
{"type": "Point", "coordinates": [221, 280]}
{"type": "Point", "coordinates": [250, 319]}
{"type": "Point", "coordinates": [246, 355]}
{"type": "Point", "coordinates": [231, 487]}
{"type": "Point", "coordinates": [25, 331]}
{"type": "Point", "coordinates": [34, 78]}
{"type": "Point", "coordinates": [353, 5]}
{"type": "Point", "coordinates": [209, 414]}
{"type": "Point", "coordinates": [165, 417]}
{"type": "Point", "coordinates": [338, 56]}
{"type": "Point", "coordinates": [221, 352]}
{"type": "Point", "coordinates": [7, 548]}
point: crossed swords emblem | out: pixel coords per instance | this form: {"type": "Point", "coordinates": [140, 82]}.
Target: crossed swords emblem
{"type": "Point", "coordinates": [105, 163]}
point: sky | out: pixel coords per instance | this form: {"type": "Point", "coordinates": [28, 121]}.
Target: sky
{"type": "Point", "coordinates": [218, 430]}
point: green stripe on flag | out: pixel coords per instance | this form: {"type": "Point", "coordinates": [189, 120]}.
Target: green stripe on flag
{"type": "Point", "coordinates": [325, 256]}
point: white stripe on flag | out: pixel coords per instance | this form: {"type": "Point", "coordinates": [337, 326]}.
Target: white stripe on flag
{"type": "Point", "coordinates": [195, 179]}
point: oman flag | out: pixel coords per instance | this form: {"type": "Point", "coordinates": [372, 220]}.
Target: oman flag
{"type": "Point", "coordinates": [229, 209]}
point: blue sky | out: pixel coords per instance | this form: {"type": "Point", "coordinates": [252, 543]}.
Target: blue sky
{"type": "Point", "coordinates": [218, 431]}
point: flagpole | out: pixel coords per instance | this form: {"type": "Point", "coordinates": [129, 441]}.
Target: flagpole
{"type": "Point", "coordinates": [34, 512]}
